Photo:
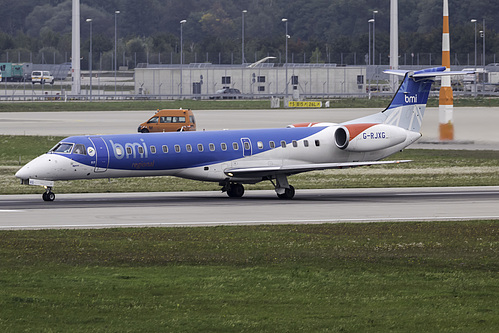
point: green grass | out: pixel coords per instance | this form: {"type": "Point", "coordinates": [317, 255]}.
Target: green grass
{"type": "Point", "coordinates": [133, 105]}
{"type": "Point", "coordinates": [378, 277]}
{"type": "Point", "coordinates": [429, 168]}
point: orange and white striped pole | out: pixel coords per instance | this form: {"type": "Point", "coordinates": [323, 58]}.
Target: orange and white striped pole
{"type": "Point", "coordinates": [446, 99]}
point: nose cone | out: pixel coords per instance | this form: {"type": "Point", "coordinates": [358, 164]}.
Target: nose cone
{"type": "Point", "coordinates": [46, 167]}
{"type": "Point", "coordinates": [23, 173]}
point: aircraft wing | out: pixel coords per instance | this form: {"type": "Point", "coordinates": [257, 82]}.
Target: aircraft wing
{"type": "Point", "coordinates": [262, 171]}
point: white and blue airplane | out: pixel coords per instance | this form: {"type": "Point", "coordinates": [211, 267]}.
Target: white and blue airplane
{"type": "Point", "coordinates": [236, 157]}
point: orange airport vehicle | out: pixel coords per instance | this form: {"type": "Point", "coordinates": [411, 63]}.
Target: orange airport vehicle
{"type": "Point", "coordinates": [169, 121]}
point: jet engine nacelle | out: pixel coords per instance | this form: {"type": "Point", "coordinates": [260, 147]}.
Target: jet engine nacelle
{"type": "Point", "coordinates": [368, 137]}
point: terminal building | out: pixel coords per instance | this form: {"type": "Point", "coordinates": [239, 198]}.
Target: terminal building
{"type": "Point", "coordinates": [259, 80]}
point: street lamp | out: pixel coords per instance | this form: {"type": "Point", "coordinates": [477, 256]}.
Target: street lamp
{"type": "Point", "coordinates": [116, 12]}
{"type": "Point", "coordinates": [474, 21]}
{"type": "Point", "coordinates": [374, 36]}
{"type": "Point", "coordinates": [369, 57]}
{"type": "Point", "coordinates": [181, 56]}
{"type": "Point", "coordinates": [242, 47]}
{"type": "Point", "coordinates": [285, 20]}
{"type": "Point", "coordinates": [483, 42]}
{"type": "Point", "coordinates": [90, 58]}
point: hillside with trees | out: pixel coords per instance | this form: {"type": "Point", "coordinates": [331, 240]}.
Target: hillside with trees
{"type": "Point", "coordinates": [334, 31]}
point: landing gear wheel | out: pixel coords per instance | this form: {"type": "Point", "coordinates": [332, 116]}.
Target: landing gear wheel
{"type": "Point", "coordinates": [48, 196]}
{"type": "Point", "coordinates": [289, 193]}
{"type": "Point", "coordinates": [235, 190]}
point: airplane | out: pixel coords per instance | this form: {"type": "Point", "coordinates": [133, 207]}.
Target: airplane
{"type": "Point", "coordinates": [236, 157]}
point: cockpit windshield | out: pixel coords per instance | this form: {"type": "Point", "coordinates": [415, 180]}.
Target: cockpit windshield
{"type": "Point", "coordinates": [62, 147]}
{"type": "Point", "coordinates": [68, 148]}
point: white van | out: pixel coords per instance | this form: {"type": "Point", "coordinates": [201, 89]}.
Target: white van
{"type": "Point", "coordinates": [42, 77]}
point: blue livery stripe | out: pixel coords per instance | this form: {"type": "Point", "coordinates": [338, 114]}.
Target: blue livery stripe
{"type": "Point", "coordinates": [133, 151]}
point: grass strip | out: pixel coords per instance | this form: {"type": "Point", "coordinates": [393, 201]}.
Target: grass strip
{"type": "Point", "coordinates": [377, 277]}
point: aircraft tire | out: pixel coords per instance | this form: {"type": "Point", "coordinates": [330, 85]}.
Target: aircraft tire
{"type": "Point", "coordinates": [236, 191]}
{"type": "Point", "coordinates": [48, 196]}
{"type": "Point", "coordinates": [289, 193]}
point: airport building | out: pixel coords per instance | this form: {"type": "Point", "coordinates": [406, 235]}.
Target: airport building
{"type": "Point", "coordinates": [204, 80]}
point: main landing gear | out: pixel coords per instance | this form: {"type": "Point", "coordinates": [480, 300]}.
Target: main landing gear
{"type": "Point", "coordinates": [282, 188]}
{"type": "Point", "coordinates": [234, 190]}
{"type": "Point", "coordinates": [48, 195]}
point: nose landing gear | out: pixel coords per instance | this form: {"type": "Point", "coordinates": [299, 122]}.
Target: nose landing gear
{"type": "Point", "coordinates": [48, 195]}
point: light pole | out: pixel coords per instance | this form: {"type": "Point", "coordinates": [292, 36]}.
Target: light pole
{"type": "Point", "coordinates": [374, 36]}
{"type": "Point", "coordinates": [181, 56]}
{"type": "Point", "coordinates": [116, 12]}
{"type": "Point", "coordinates": [474, 83]}
{"type": "Point", "coordinates": [483, 42]}
{"type": "Point", "coordinates": [242, 47]}
{"type": "Point", "coordinates": [285, 20]}
{"type": "Point", "coordinates": [90, 58]}
{"type": "Point", "coordinates": [369, 60]}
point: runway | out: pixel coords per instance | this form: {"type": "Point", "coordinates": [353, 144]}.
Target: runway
{"type": "Point", "coordinates": [168, 209]}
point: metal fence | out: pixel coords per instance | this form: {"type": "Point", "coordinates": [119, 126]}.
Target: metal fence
{"type": "Point", "coordinates": [105, 61]}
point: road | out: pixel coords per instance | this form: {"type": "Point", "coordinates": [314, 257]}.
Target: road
{"type": "Point", "coordinates": [105, 210]}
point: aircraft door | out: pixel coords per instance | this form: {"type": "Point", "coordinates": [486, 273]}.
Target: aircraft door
{"type": "Point", "coordinates": [247, 149]}
{"type": "Point", "coordinates": [101, 154]}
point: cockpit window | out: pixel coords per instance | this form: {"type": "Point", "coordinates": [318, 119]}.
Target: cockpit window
{"type": "Point", "coordinates": [62, 147]}
{"type": "Point", "coordinates": [80, 149]}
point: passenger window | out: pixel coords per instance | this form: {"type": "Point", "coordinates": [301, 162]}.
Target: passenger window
{"type": "Point", "coordinates": [177, 148]}
{"type": "Point", "coordinates": [181, 119]}
{"type": "Point", "coordinates": [141, 150]}
{"type": "Point", "coordinates": [260, 144]}
{"type": "Point", "coordinates": [80, 149]}
{"type": "Point", "coordinates": [165, 149]}
{"type": "Point", "coordinates": [200, 147]}
{"type": "Point", "coordinates": [317, 143]}
{"type": "Point", "coordinates": [153, 149]}
{"type": "Point", "coordinates": [153, 120]}
{"type": "Point", "coordinates": [283, 144]}
{"type": "Point", "coordinates": [235, 146]}
{"type": "Point", "coordinates": [212, 147]}
{"type": "Point", "coordinates": [223, 146]}
{"type": "Point", "coordinates": [295, 144]}
{"type": "Point", "coordinates": [188, 148]}
{"type": "Point", "coordinates": [305, 143]}
{"type": "Point", "coordinates": [246, 146]}
{"type": "Point", "coordinates": [271, 144]}
{"type": "Point", "coordinates": [129, 150]}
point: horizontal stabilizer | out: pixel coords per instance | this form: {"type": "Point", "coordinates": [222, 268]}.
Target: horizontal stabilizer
{"type": "Point", "coordinates": [262, 171]}
{"type": "Point", "coordinates": [429, 72]}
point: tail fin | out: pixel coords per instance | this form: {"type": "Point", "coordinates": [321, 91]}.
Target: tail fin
{"type": "Point", "coordinates": [406, 110]}
{"type": "Point", "coordinates": [407, 107]}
